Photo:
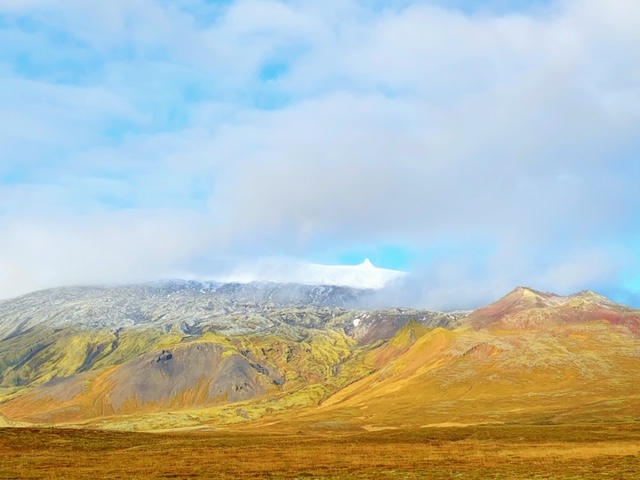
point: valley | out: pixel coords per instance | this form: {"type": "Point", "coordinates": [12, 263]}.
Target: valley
{"type": "Point", "coordinates": [515, 452]}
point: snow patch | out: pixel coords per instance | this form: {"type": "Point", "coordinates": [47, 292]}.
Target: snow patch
{"type": "Point", "coordinates": [365, 275]}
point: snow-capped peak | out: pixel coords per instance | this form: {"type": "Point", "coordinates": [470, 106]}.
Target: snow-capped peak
{"type": "Point", "coordinates": [365, 275]}
{"type": "Point", "coordinates": [366, 264]}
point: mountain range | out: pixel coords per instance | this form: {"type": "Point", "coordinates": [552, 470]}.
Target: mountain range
{"type": "Point", "coordinates": [191, 354]}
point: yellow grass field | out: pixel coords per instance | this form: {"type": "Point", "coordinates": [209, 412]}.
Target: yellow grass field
{"type": "Point", "coordinates": [593, 451]}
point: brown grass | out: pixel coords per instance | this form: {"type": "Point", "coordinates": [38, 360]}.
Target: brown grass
{"type": "Point", "coordinates": [479, 452]}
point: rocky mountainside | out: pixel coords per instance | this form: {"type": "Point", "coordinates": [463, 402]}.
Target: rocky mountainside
{"type": "Point", "coordinates": [159, 346]}
{"type": "Point", "coordinates": [194, 307]}
{"type": "Point", "coordinates": [188, 305]}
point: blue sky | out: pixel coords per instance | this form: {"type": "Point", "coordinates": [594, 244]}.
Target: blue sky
{"type": "Point", "coordinates": [478, 145]}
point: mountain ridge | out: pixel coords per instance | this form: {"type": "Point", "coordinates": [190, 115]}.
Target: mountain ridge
{"type": "Point", "coordinates": [525, 307]}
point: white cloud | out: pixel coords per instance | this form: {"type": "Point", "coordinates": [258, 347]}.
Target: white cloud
{"type": "Point", "coordinates": [98, 248]}
{"type": "Point", "coordinates": [419, 125]}
{"type": "Point", "coordinates": [286, 270]}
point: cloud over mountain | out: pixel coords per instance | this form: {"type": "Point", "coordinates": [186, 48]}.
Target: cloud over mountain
{"type": "Point", "coordinates": [498, 146]}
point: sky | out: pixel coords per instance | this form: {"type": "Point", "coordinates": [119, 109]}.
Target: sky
{"type": "Point", "coordinates": [478, 145]}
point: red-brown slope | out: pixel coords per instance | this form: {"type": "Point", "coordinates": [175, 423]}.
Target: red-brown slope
{"type": "Point", "coordinates": [525, 308]}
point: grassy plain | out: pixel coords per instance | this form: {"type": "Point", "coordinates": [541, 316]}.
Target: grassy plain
{"type": "Point", "coordinates": [590, 451]}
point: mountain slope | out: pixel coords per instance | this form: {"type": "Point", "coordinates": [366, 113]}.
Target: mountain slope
{"type": "Point", "coordinates": [531, 356]}
{"type": "Point", "coordinates": [203, 371]}
{"type": "Point", "coordinates": [79, 353]}
{"type": "Point", "coordinates": [471, 377]}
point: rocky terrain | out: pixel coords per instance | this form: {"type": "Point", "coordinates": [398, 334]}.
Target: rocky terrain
{"type": "Point", "coordinates": [194, 307]}
{"type": "Point", "coordinates": [187, 305]}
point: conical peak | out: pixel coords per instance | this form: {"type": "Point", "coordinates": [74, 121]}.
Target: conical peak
{"type": "Point", "coordinates": [524, 298]}
{"type": "Point", "coordinates": [529, 292]}
{"type": "Point", "coordinates": [367, 264]}
{"type": "Point", "coordinates": [524, 307]}
{"type": "Point", "coordinates": [590, 294]}
{"type": "Point", "coordinates": [590, 297]}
